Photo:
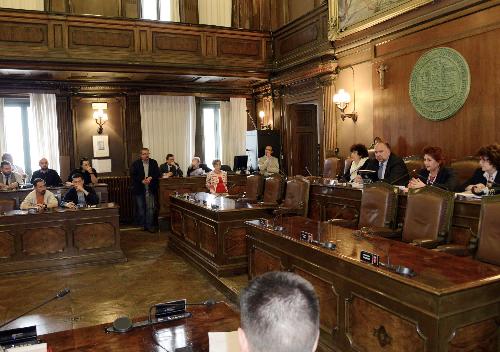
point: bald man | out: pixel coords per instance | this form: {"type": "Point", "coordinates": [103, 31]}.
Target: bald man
{"type": "Point", "coordinates": [51, 177]}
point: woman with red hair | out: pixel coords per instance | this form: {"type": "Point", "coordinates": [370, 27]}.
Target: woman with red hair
{"type": "Point", "coordinates": [434, 173]}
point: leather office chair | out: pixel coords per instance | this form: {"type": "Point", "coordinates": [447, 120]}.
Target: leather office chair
{"type": "Point", "coordinates": [414, 162]}
{"type": "Point", "coordinates": [464, 168]}
{"type": "Point", "coordinates": [377, 211]}
{"type": "Point", "coordinates": [296, 197]}
{"type": "Point", "coordinates": [486, 243]}
{"type": "Point", "coordinates": [254, 188]}
{"type": "Point", "coordinates": [7, 205]}
{"type": "Point", "coordinates": [273, 189]}
{"type": "Point", "coordinates": [330, 167]}
{"type": "Point", "coordinates": [428, 216]}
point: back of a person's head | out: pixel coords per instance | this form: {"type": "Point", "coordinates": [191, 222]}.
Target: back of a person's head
{"type": "Point", "coordinates": [280, 313]}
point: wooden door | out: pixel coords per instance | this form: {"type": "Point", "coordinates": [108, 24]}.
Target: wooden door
{"type": "Point", "coordinates": [303, 139]}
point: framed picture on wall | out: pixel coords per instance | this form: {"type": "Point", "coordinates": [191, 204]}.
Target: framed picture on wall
{"type": "Point", "coordinates": [101, 146]}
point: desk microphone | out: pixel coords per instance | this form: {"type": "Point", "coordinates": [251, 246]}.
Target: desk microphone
{"type": "Point", "coordinates": [60, 294]}
{"type": "Point", "coordinates": [402, 177]}
{"type": "Point", "coordinates": [309, 172]}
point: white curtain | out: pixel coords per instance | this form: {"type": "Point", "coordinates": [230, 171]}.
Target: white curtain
{"type": "Point", "coordinates": [3, 140]}
{"type": "Point", "coordinates": [44, 112]}
{"type": "Point", "coordinates": [37, 5]}
{"type": "Point", "coordinates": [168, 126]}
{"type": "Point", "coordinates": [215, 12]}
{"type": "Point", "coordinates": [233, 118]}
{"type": "Point", "coordinates": [173, 11]}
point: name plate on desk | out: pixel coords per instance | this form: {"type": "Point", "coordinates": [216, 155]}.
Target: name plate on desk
{"type": "Point", "coordinates": [370, 258]}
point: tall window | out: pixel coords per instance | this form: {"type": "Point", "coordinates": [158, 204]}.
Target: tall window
{"type": "Point", "coordinates": [211, 131]}
{"type": "Point", "coordinates": [37, 5]}
{"type": "Point", "coordinates": [19, 131]}
{"type": "Point", "coordinates": [162, 10]}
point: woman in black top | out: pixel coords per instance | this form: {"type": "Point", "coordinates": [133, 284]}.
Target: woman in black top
{"type": "Point", "coordinates": [487, 176]}
{"type": "Point", "coordinates": [87, 171]}
{"type": "Point", "coordinates": [359, 156]}
{"type": "Point", "coordinates": [434, 173]}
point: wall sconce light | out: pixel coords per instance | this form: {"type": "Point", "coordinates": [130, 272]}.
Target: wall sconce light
{"type": "Point", "coordinates": [342, 100]}
{"type": "Point", "coordinates": [99, 115]}
{"type": "Point", "coordinates": [262, 114]}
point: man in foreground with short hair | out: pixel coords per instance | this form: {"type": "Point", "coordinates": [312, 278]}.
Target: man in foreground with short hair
{"type": "Point", "coordinates": [50, 176]}
{"type": "Point", "coordinates": [279, 313]}
{"type": "Point", "coordinates": [387, 166]}
{"type": "Point", "coordinates": [80, 195]}
{"type": "Point", "coordinates": [9, 180]}
{"type": "Point", "coordinates": [39, 198]}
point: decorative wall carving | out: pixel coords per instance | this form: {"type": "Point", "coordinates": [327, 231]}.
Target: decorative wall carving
{"type": "Point", "coordinates": [176, 42]}
{"type": "Point", "coordinates": [23, 33]}
{"type": "Point", "coordinates": [238, 47]}
{"type": "Point", "coordinates": [105, 37]}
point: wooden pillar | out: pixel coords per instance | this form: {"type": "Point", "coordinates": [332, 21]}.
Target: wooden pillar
{"type": "Point", "coordinates": [133, 130]}
{"type": "Point", "coordinates": [329, 115]}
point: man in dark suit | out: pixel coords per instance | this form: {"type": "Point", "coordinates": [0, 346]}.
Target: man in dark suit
{"type": "Point", "coordinates": [170, 168]}
{"type": "Point", "coordinates": [80, 195]}
{"type": "Point", "coordinates": [50, 176]}
{"type": "Point", "coordinates": [144, 173]}
{"type": "Point", "coordinates": [388, 166]}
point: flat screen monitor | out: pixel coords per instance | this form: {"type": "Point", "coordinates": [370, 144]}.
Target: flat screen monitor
{"type": "Point", "coordinates": [240, 162]}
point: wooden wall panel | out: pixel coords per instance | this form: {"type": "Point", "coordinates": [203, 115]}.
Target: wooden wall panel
{"type": "Point", "coordinates": [65, 129]}
{"type": "Point", "coordinates": [188, 10]}
{"type": "Point", "coordinates": [476, 123]}
{"type": "Point", "coordinates": [133, 131]}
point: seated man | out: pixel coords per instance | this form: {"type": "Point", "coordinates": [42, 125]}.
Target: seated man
{"type": "Point", "coordinates": [39, 198]}
{"type": "Point", "coordinates": [197, 169]}
{"type": "Point", "coordinates": [268, 164]}
{"type": "Point", "coordinates": [279, 313]}
{"type": "Point", "coordinates": [16, 168]}
{"type": "Point", "coordinates": [88, 173]}
{"type": "Point", "coordinates": [387, 166]}
{"type": "Point", "coordinates": [80, 195]}
{"type": "Point", "coordinates": [170, 168]}
{"type": "Point", "coordinates": [50, 176]}
{"type": "Point", "coordinates": [9, 179]}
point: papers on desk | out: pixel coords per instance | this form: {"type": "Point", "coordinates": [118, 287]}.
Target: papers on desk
{"type": "Point", "coordinates": [39, 347]}
{"type": "Point", "coordinates": [223, 341]}
{"type": "Point", "coordinates": [467, 195]}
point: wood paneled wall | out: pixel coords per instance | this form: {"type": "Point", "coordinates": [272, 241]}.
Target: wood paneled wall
{"type": "Point", "coordinates": [474, 35]}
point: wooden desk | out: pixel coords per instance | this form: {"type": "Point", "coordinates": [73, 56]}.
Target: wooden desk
{"type": "Point", "coordinates": [452, 304]}
{"type": "Point", "coordinates": [213, 239]}
{"type": "Point", "coordinates": [326, 202]}
{"type": "Point", "coordinates": [59, 238]}
{"type": "Point", "coordinates": [191, 332]}
{"type": "Point", "coordinates": [19, 195]}
{"type": "Point", "coordinates": [168, 186]}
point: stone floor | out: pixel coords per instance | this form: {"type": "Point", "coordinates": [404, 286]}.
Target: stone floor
{"type": "Point", "coordinates": [100, 294]}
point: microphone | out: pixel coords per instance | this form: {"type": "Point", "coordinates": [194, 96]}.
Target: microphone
{"type": "Point", "coordinates": [309, 172]}
{"type": "Point", "coordinates": [402, 177]}
{"type": "Point", "coordinates": [60, 294]}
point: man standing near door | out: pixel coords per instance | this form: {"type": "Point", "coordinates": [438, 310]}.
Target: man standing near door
{"type": "Point", "coordinates": [144, 173]}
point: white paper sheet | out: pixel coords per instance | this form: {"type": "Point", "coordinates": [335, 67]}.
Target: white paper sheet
{"type": "Point", "coordinates": [223, 341]}
{"type": "Point", "coordinates": [101, 165]}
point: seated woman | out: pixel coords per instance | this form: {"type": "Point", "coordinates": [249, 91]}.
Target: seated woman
{"type": "Point", "coordinates": [434, 173]}
{"type": "Point", "coordinates": [86, 170]}
{"type": "Point", "coordinates": [359, 156]}
{"type": "Point", "coordinates": [217, 179]}
{"type": "Point", "coordinates": [487, 176]}
{"type": "Point", "coordinates": [197, 169]}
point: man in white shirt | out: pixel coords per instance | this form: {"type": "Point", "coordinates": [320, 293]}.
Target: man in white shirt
{"type": "Point", "coordinates": [9, 179]}
{"type": "Point", "coordinates": [39, 198]}
{"type": "Point", "coordinates": [16, 168]}
{"type": "Point", "coordinates": [268, 164]}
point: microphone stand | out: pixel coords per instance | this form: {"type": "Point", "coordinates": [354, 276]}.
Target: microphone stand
{"type": "Point", "coordinates": [59, 295]}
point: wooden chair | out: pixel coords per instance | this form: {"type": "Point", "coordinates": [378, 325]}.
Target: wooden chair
{"type": "Point", "coordinates": [7, 205]}
{"type": "Point", "coordinates": [273, 189]}
{"type": "Point", "coordinates": [377, 211]}
{"type": "Point", "coordinates": [330, 167]}
{"type": "Point", "coordinates": [296, 197]}
{"type": "Point", "coordinates": [486, 243]}
{"type": "Point", "coordinates": [254, 188]}
{"type": "Point", "coordinates": [464, 168]}
{"type": "Point", "coordinates": [414, 162]}
{"type": "Point", "coordinates": [428, 216]}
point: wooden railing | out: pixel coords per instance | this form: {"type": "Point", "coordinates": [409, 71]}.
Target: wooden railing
{"type": "Point", "coordinates": [119, 192]}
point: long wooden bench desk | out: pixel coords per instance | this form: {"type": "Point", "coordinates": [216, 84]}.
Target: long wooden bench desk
{"type": "Point", "coordinates": [59, 238]}
{"type": "Point", "coordinates": [209, 231]}
{"type": "Point", "coordinates": [190, 334]}
{"type": "Point", "coordinates": [451, 304]}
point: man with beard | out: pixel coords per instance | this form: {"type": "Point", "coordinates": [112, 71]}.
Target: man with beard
{"type": "Point", "coordinates": [39, 198]}
{"type": "Point", "coordinates": [9, 180]}
{"type": "Point", "coordinates": [50, 176]}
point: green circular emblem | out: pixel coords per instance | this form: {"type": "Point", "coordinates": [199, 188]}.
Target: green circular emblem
{"type": "Point", "coordinates": [439, 83]}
